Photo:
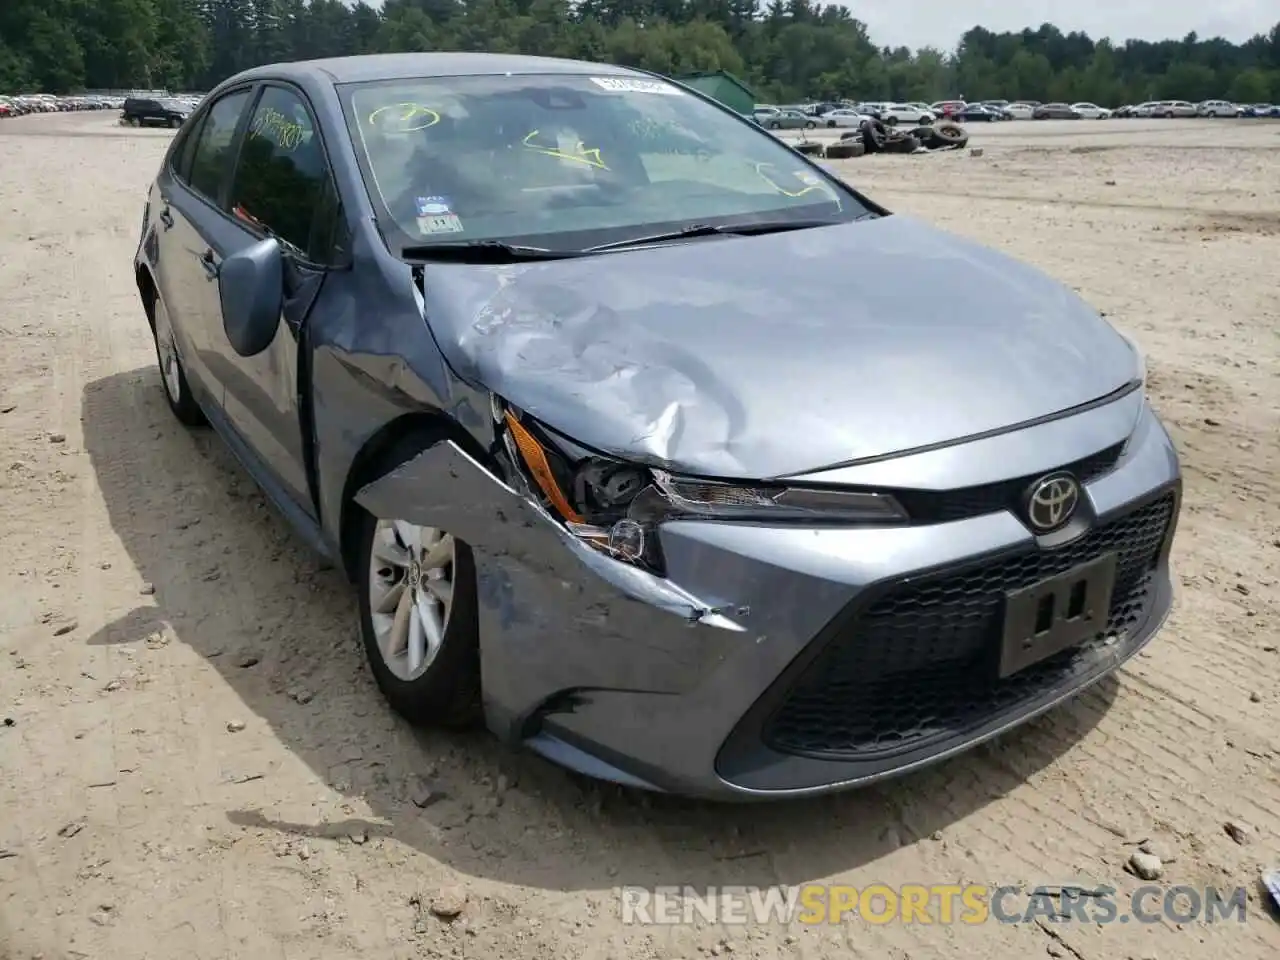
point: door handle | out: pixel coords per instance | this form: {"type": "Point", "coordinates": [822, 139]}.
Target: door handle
{"type": "Point", "coordinates": [166, 218]}
{"type": "Point", "coordinates": [210, 265]}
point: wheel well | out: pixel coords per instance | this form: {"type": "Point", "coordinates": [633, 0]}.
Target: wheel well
{"type": "Point", "coordinates": [147, 290]}
{"type": "Point", "coordinates": [394, 444]}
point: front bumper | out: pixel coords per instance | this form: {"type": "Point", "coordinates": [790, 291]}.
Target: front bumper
{"type": "Point", "coordinates": [782, 661]}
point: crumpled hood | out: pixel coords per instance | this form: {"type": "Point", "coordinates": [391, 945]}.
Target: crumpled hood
{"type": "Point", "coordinates": [758, 357]}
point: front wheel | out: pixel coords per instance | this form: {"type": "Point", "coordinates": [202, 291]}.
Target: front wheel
{"type": "Point", "coordinates": [418, 620]}
{"type": "Point", "coordinates": [891, 120]}
{"type": "Point", "coordinates": [809, 124]}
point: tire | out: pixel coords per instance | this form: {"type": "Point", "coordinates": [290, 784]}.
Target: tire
{"type": "Point", "coordinates": [945, 135]}
{"type": "Point", "coordinates": [845, 149]}
{"type": "Point", "coordinates": [173, 378]}
{"type": "Point", "coordinates": [175, 122]}
{"type": "Point", "coordinates": [891, 120]}
{"type": "Point", "coordinates": [903, 144]}
{"type": "Point", "coordinates": [774, 125]}
{"type": "Point", "coordinates": [447, 691]}
{"type": "Point", "coordinates": [874, 134]}
{"type": "Point", "coordinates": [134, 122]}
{"type": "Point", "coordinates": [809, 124]}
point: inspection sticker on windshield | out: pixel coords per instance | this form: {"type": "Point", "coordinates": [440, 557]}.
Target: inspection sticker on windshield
{"type": "Point", "coordinates": [809, 177]}
{"type": "Point", "coordinates": [436, 216]}
{"type": "Point", "coordinates": [443, 223]}
{"type": "Point", "coordinates": [629, 85]}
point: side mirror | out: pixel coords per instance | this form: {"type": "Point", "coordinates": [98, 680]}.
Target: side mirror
{"type": "Point", "coordinates": [251, 288]}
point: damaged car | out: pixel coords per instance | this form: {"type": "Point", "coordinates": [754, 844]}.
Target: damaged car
{"type": "Point", "coordinates": [570, 369]}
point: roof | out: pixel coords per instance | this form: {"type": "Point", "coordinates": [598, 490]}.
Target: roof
{"type": "Point", "coordinates": [395, 66]}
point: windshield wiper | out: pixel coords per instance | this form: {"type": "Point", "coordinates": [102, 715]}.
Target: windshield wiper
{"type": "Point", "coordinates": [482, 251]}
{"type": "Point", "coordinates": [708, 230]}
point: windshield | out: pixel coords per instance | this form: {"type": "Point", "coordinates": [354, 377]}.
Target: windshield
{"type": "Point", "coordinates": [569, 161]}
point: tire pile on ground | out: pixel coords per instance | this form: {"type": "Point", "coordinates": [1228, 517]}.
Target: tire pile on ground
{"type": "Point", "coordinates": [873, 136]}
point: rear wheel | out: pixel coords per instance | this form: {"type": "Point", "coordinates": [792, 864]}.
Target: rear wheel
{"type": "Point", "coordinates": [172, 377]}
{"type": "Point", "coordinates": [891, 120]}
{"type": "Point", "coordinates": [418, 621]}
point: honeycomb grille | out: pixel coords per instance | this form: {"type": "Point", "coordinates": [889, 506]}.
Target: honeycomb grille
{"type": "Point", "coordinates": [943, 506]}
{"type": "Point", "coordinates": [917, 666]}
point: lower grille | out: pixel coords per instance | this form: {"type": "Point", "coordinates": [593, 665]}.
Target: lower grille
{"type": "Point", "coordinates": [915, 667]}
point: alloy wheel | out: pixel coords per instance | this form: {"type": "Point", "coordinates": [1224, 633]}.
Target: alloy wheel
{"type": "Point", "coordinates": [411, 580]}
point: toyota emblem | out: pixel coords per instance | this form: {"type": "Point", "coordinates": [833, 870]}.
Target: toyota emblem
{"type": "Point", "coordinates": [1052, 502]}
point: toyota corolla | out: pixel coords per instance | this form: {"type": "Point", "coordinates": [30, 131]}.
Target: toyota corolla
{"type": "Point", "coordinates": [610, 406]}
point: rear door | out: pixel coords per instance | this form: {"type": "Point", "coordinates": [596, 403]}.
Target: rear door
{"type": "Point", "coordinates": [281, 187]}
{"type": "Point", "coordinates": [190, 193]}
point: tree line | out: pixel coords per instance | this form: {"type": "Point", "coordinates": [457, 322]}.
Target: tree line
{"type": "Point", "coordinates": [787, 50]}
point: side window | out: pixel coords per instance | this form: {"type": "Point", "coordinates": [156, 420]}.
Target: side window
{"type": "Point", "coordinates": [282, 181]}
{"type": "Point", "coordinates": [184, 151]}
{"type": "Point", "coordinates": [212, 154]}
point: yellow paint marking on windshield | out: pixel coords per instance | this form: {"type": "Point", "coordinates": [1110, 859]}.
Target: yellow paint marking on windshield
{"type": "Point", "coordinates": [405, 117]}
{"type": "Point", "coordinates": [590, 157]}
{"type": "Point", "coordinates": [804, 177]}
{"type": "Point", "coordinates": [786, 193]}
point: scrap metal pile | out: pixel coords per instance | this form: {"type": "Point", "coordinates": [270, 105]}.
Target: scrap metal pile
{"type": "Point", "coordinates": [873, 136]}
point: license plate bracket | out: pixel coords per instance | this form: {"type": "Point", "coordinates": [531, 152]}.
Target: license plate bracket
{"type": "Point", "coordinates": [1056, 613]}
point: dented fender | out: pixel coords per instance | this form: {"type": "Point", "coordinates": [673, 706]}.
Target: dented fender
{"type": "Point", "coordinates": [555, 614]}
{"type": "Point", "coordinates": [446, 488]}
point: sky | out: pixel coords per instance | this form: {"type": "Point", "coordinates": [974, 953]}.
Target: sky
{"type": "Point", "coordinates": [940, 23]}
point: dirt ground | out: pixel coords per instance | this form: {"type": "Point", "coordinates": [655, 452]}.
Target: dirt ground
{"type": "Point", "coordinates": [151, 603]}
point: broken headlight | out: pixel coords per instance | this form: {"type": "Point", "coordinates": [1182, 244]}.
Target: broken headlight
{"type": "Point", "coordinates": [616, 506]}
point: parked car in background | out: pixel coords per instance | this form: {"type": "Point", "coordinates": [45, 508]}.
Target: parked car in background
{"type": "Point", "coordinates": [141, 112]}
{"type": "Point", "coordinates": [788, 120]}
{"type": "Point", "coordinates": [1217, 108]}
{"type": "Point", "coordinates": [23, 104]}
{"type": "Point", "coordinates": [1255, 110]}
{"type": "Point", "coordinates": [1168, 109]}
{"type": "Point", "coordinates": [1145, 109]}
{"type": "Point", "coordinates": [947, 108]}
{"type": "Point", "coordinates": [1091, 111]}
{"type": "Point", "coordinates": [825, 106]}
{"type": "Point", "coordinates": [763, 112]}
{"type": "Point", "coordinates": [505, 411]}
{"type": "Point", "coordinates": [1055, 111]}
{"type": "Point", "coordinates": [843, 117]}
{"type": "Point", "coordinates": [1020, 110]}
{"type": "Point", "coordinates": [895, 113]}
{"type": "Point", "coordinates": [978, 113]}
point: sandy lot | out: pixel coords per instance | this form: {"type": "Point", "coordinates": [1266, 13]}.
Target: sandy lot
{"type": "Point", "coordinates": [151, 602]}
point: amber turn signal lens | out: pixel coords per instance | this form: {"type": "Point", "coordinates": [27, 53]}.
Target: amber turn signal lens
{"type": "Point", "coordinates": [535, 459]}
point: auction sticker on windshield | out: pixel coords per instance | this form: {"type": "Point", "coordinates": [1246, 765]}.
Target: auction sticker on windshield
{"type": "Point", "coordinates": [436, 216]}
{"type": "Point", "coordinates": [629, 85]}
